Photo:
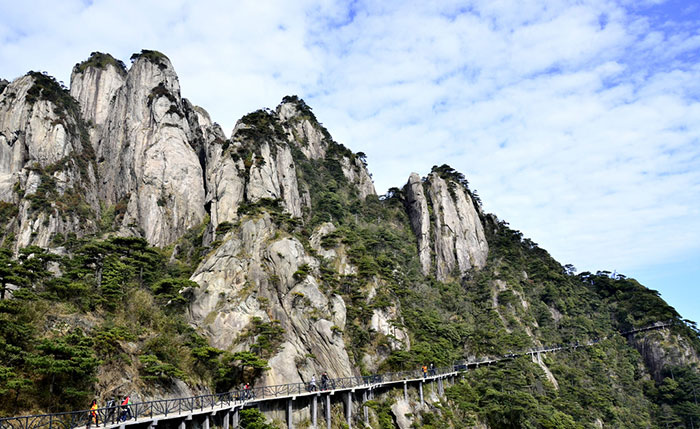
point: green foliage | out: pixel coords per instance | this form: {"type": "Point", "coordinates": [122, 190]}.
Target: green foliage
{"type": "Point", "coordinates": [155, 370]}
{"type": "Point", "coordinates": [168, 291]}
{"type": "Point", "coordinates": [155, 57]}
{"type": "Point", "coordinates": [676, 396]}
{"type": "Point", "coordinates": [302, 272]}
{"type": "Point", "coordinates": [268, 337]}
{"type": "Point", "coordinates": [252, 418]}
{"type": "Point", "coordinates": [66, 366]}
{"type": "Point", "coordinates": [100, 61]}
{"type": "Point", "coordinates": [223, 227]}
{"type": "Point", "coordinates": [46, 88]}
{"type": "Point", "coordinates": [262, 125]}
{"type": "Point", "coordinates": [384, 413]}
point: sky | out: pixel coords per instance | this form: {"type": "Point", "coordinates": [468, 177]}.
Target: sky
{"type": "Point", "coordinates": [578, 122]}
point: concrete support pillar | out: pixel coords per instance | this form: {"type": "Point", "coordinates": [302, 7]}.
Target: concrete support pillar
{"type": "Point", "coordinates": [227, 417]}
{"type": "Point", "coordinates": [182, 424]}
{"type": "Point", "coordinates": [328, 411]}
{"type": "Point", "coordinates": [314, 412]}
{"type": "Point", "coordinates": [365, 411]}
{"type": "Point", "coordinates": [405, 391]}
{"type": "Point", "coordinates": [420, 391]}
{"type": "Point", "coordinates": [348, 409]}
{"type": "Point", "coordinates": [235, 419]}
{"type": "Point", "coordinates": [441, 387]}
{"type": "Point", "coordinates": [205, 425]}
{"type": "Point", "coordinates": [289, 414]}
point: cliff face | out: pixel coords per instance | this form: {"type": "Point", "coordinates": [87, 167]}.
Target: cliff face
{"type": "Point", "coordinates": [146, 154]}
{"type": "Point", "coordinates": [46, 162]}
{"type": "Point", "coordinates": [274, 242]}
{"type": "Point", "coordinates": [454, 227]}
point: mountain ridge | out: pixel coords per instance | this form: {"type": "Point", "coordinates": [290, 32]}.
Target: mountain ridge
{"type": "Point", "coordinates": [174, 260]}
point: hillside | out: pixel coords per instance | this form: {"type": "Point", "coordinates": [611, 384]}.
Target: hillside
{"type": "Point", "coordinates": [145, 252]}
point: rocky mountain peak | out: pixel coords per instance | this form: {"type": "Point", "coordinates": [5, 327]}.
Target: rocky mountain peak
{"type": "Point", "coordinates": [94, 82]}
{"type": "Point", "coordinates": [453, 226]}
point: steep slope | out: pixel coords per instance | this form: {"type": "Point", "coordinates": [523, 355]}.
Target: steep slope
{"type": "Point", "coordinates": [47, 175]}
{"type": "Point", "coordinates": [182, 261]}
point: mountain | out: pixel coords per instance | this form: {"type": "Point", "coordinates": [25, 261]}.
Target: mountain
{"type": "Point", "coordinates": [145, 252]}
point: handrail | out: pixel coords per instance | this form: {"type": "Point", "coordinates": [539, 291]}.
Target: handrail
{"type": "Point", "coordinates": [115, 414]}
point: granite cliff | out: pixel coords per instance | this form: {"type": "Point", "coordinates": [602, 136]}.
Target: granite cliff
{"type": "Point", "coordinates": [192, 261]}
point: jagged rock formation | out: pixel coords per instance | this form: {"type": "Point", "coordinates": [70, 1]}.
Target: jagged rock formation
{"type": "Point", "coordinates": [454, 227]}
{"type": "Point", "coordinates": [146, 153]}
{"type": "Point", "coordinates": [253, 275]}
{"type": "Point", "coordinates": [45, 162]}
{"type": "Point", "coordinates": [292, 253]}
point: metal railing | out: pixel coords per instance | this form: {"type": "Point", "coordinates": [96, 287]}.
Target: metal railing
{"type": "Point", "coordinates": [167, 408]}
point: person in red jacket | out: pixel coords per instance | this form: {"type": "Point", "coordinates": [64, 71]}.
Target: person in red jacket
{"type": "Point", "coordinates": [126, 409]}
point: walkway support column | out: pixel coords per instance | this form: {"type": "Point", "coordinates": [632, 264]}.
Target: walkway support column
{"type": "Point", "coordinates": [348, 408]}
{"type": "Point", "coordinates": [289, 414]}
{"type": "Point", "coordinates": [205, 425]}
{"type": "Point", "coordinates": [365, 411]}
{"type": "Point", "coordinates": [314, 413]}
{"type": "Point", "coordinates": [227, 417]}
{"type": "Point", "coordinates": [420, 391]}
{"type": "Point", "coordinates": [328, 411]}
{"type": "Point", "coordinates": [405, 391]}
{"type": "Point", "coordinates": [235, 418]}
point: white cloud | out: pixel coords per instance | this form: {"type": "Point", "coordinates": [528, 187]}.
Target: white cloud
{"type": "Point", "coordinates": [578, 122]}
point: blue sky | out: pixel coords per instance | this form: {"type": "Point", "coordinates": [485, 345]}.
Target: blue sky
{"type": "Point", "coordinates": [577, 121]}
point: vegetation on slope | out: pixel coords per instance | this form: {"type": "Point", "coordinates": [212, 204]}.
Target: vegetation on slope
{"type": "Point", "coordinates": [128, 298]}
{"type": "Point", "coordinates": [117, 305]}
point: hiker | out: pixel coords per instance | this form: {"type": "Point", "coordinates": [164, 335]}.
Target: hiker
{"type": "Point", "coordinates": [126, 409]}
{"type": "Point", "coordinates": [312, 385]}
{"type": "Point", "coordinates": [425, 371]}
{"type": "Point", "coordinates": [432, 369]}
{"type": "Point", "coordinates": [324, 381]}
{"type": "Point", "coordinates": [93, 413]}
{"type": "Point", "coordinates": [246, 391]}
{"type": "Point", "coordinates": [111, 410]}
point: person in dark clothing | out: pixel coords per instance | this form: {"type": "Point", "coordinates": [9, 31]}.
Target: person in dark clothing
{"type": "Point", "coordinates": [324, 381]}
{"type": "Point", "coordinates": [111, 410]}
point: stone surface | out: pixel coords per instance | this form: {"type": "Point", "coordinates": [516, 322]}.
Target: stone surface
{"type": "Point", "coordinates": [459, 239]}
{"type": "Point", "coordinates": [454, 228]}
{"type": "Point", "coordinates": [252, 275]}
{"type": "Point", "coordinates": [38, 144]}
{"type": "Point", "coordinates": [418, 213]}
{"type": "Point", "coordinates": [146, 155]}
{"type": "Point", "coordinates": [403, 413]}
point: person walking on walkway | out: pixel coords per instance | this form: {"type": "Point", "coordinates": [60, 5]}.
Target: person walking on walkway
{"type": "Point", "coordinates": [126, 409]}
{"type": "Point", "coordinates": [93, 414]}
{"type": "Point", "coordinates": [324, 381]}
{"type": "Point", "coordinates": [111, 410]}
{"type": "Point", "coordinates": [425, 371]}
